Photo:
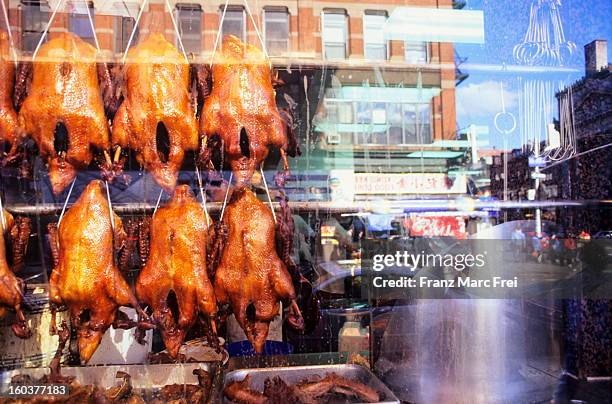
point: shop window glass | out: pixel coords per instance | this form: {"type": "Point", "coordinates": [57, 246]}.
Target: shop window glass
{"type": "Point", "coordinates": [123, 29]}
{"type": "Point", "coordinates": [276, 31]}
{"type": "Point", "coordinates": [80, 23]}
{"type": "Point", "coordinates": [34, 17]}
{"type": "Point", "coordinates": [375, 46]}
{"type": "Point", "coordinates": [334, 34]}
{"type": "Point", "coordinates": [416, 52]}
{"type": "Point", "coordinates": [189, 18]}
{"type": "Point", "coordinates": [234, 22]}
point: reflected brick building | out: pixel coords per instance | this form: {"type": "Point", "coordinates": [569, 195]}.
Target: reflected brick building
{"type": "Point", "coordinates": [331, 42]}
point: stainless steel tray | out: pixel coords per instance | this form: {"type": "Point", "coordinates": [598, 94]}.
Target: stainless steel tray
{"type": "Point", "coordinates": [295, 374]}
{"type": "Point", "coordinates": [143, 376]}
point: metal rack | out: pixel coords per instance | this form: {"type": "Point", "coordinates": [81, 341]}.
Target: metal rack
{"type": "Point", "coordinates": [334, 206]}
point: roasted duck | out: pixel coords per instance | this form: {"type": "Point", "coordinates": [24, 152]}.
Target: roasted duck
{"type": "Point", "coordinates": [11, 287]}
{"type": "Point", "coordinates": [9, 132]}
{"type": "Point", "coordinates": [64, 109]}
{"type": "Point", "coordinates": [241, 109]}
{"type": "Point", "coordinates": [157, 118]}
{"type": "Point", "coordinates": [276, 391]}
{"type": "Point", "coordinates": [85, 277]}
{"type": "Point", "coordinates": [174, 281]}
{"type": "Point", "coordinates": [250, 276]}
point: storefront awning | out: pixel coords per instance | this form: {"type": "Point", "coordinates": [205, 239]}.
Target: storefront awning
{"type": "Point", "coordinates": [422, 24]}
{"type": "Point", "coordinates": [433, 154]}
{"type": "Point", "coordinates": [382, 94]}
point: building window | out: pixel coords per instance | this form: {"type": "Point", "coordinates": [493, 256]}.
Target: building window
{"type": "Point", "coordinates": [416, 52]}
{"type": "Point", "coordinates": [123, 29]}
{"type": "Point", "coordinates": [34, 17]}
{"type": "Point", "coordinates": [189, 17]}
{"type": "Point", "coordinates": [79, 22]}
{"type": "Point", "coordinates": [375, 46]}
{"type": "Point", "coordinates": [276, 30]}
{"type": "Point", "coordinates": [234, 22]}
{"type": "Point", "coordinates": [334, 34]}
{"type": "Point", "coordinates": [417, 123]}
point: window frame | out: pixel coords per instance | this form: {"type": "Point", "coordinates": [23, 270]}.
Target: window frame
{"type": "Point", "coordinates": [235, 8]}
{"type": "Point", "coordinates": [380, 13]}
{"type": "Point", "coordinates": [276, 9]}
{"type": "Point", "coordinates": [346, 32]}
{"type": "Point", "coordinates": [427, 52]}
{"type": "Point", "coordinates": [26, 29]}
{"type": "Point", "coordinates": [73, 17]}
{"type": "Point", "coordinates": [119, 29]}
{"type": "Point", "coordinates": [189, 8]}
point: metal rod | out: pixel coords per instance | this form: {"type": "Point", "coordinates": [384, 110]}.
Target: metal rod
{"type": "Point", "coordinates": [335, 207]}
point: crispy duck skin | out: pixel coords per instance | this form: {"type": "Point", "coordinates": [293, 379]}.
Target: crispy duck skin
{"type": "Point", "coordinates": [335, 383]}
{"type": "Point", "coordinates": [175, 272]}
{"type": "Point", "coordinates": [9, 132]}
{"type": "Point", "coordinates": [11, 287]}
{"type": "Point", "coordinates": [64, 111]}
{"type": "Point", "coordinates": [241, 392]}
{"type": "Point", "coordinates": [251, 277]}
{"type": "Point", "coordinates": [241, 108]}
{"type": "Point", "coordinates": [157, 96]}
{"type": "Point", "coordinates": [86, 278]}
{"type": "Point", "coordinates": [276, 391]}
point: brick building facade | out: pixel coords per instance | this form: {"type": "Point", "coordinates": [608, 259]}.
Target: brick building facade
{"type": "Point", "coordinates": [308, 34]}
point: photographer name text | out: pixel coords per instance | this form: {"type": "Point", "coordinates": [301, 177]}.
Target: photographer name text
{"type": "Point", "coordinates": [424, 282]}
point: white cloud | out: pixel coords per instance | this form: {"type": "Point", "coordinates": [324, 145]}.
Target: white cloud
{"type": "Point", "coordinates": [484, 99]}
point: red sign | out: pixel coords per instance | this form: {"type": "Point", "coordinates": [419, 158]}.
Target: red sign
{"type": "Point", "coordinates": [436, 226]}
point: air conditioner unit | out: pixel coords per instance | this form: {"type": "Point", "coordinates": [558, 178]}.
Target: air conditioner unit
{"type": "Point", "coordinates": [333, 138]}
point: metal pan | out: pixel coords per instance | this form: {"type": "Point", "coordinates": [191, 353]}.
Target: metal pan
{"type": "Point", "coordinates": [295, 374]}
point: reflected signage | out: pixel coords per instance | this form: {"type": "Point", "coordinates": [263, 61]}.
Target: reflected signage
{"type": "Point", "coordinates": [410, 183]}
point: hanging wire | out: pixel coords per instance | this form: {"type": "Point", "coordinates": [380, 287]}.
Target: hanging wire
{"type": "Point", "coordinates": [93, 29]}
{"type": "Point", "coordinates": [202, 194]}
{"type": "Point", "coordinates": [178, 34]}
{"type": "Point", "coordinates": [2, 219]}
{"type": "Point", "coordinates": [212, 57]}
{"type": "Point", "coordinates": [544, 42]}
{"type": "Point", "coordinates": [46, 30]}
{"type": "Point", "coordinates": [263, 44]}
{"type": "Point", "coordinates": [110, 206]}
{"type": "Point", "coordinates": [267, 191]}
{"type": "Point", "coordinates": [229, 184]}
{"type": "Point", "coordinates": [10, 34]}
{"type": "Point", "coordinates": [567, 131]}
{"type": "Point", "coordinates": [108, 198]}
{"type": "Point", "coordinates": [133, 33]}
{"type": "Point", "coordinates": [66, 202]}
{"type": "Point", "coordinates": [220, 30]}
{"type": "Point", "coordinates": [161, 191]}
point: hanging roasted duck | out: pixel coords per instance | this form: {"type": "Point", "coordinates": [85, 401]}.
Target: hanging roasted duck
{"type": "Point", "coordinates": [174, 281]}
{"type": "Point", "coordinates": [9, 133]}
{"type": "Point", "coordinates": [11, 287]}
{"type": "Point", "coordinates": [85, 277]}
{"type": "Point", "coordinates": [241, 109]}
{"type": "Point", "coordinates": [250, 276]}
{"type": "Point", "coordinates": [157, 116]}
{"type": "Point", "coordinates": [64, 110]}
